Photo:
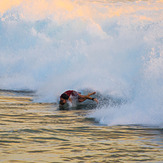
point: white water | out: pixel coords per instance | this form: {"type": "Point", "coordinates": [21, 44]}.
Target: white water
{"type": "Point", "coordinates": [113, 48]}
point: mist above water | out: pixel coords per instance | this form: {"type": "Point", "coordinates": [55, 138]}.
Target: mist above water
{"type": "Point", "coordinates": [113, 48]}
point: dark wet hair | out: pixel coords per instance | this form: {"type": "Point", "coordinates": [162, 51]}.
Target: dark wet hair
{"type": "Point", "coordinates": [64, 96]}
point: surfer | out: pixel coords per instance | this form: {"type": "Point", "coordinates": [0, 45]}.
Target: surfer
{"type": "Point", "coordinates": [71, 94]}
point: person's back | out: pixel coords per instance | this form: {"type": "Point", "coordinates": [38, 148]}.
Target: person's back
{"type": "Point", "coordinates": [70, 95]}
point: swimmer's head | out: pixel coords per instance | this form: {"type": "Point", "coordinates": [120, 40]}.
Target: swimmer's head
{"type": "Point", "coordinates": [63, 98]}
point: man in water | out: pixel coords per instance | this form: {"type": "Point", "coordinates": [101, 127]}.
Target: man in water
{"type": "Point", "coordinates": [71, 94]}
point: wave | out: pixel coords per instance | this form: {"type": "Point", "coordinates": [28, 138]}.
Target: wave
{"type": "Point", "coordinates": [112, 48]}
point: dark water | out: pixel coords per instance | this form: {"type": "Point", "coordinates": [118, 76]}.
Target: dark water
{"type": "Point", "coordinates": [39, 132]}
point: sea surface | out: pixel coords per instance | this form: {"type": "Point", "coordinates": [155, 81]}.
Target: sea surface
{"type": "Point", "coordinates": [113, 47]}
{"type": "Point", "coordinates": [39, 132]}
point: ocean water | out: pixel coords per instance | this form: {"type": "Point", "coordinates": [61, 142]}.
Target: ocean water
{"type": "Point", "coordinates": [38, 132]}
{"type": "Point", "coordinates": [112, 47]}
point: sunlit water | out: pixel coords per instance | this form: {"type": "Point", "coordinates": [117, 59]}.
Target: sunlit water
{"type": "Point", "coordinates": [113, 47]}
{"type": "Point", "coordinates": [39, 132]}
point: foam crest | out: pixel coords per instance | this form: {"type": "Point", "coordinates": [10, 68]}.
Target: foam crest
{"type": "Point", "coordinates": [146, 106]}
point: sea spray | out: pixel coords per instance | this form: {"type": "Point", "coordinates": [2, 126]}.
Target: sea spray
{"type": "Point", "coordinates": [146, 106]}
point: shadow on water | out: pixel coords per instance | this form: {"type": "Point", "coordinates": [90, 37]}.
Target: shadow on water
{"type": "Point", "coordinates": [21, 92]}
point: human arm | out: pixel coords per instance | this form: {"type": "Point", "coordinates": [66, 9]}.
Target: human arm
{"type": "Point", "coordinates": [84, 97]}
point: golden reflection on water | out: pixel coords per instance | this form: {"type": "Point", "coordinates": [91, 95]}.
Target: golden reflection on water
{"type": "Point", "coordinates": [35, 132]}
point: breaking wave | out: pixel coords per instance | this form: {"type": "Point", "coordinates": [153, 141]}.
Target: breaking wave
{"type": "Point", "coordinates": [112, 48]}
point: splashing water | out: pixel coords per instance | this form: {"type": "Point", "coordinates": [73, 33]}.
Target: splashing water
{"type": "Point", "coordinates": [112, 47]}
